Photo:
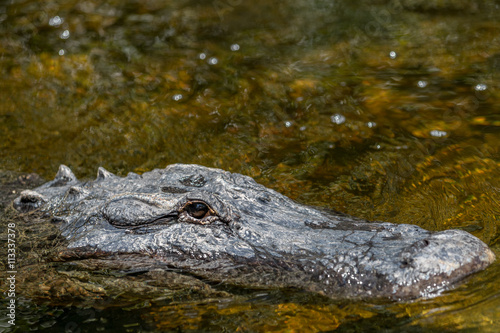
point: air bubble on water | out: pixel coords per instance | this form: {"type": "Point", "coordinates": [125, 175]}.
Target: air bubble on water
{"type": "Point", "coordinates": [480, 87]}
{"type": "Point", "coordinates": [64, 34]}
{"type": "Point", "coordinates": [177, 97]}
{"type": "Point", "coordinates": [392, 55]}
{"type": "Point", "coordinates": [62, 52]}
{"type": "Point", "coordinates": [202, 56]}
{"type": "Point", "coordinates": [213, 61]}
{"type": "Point", "coordinates": [438, 133]}
{"type": "Point", "coordinates": [337, 119]}
{"type": "Point", "coordinates": [55, 21]}
{"type": "Point", "coordinates": [422, 84]}
{"type": "Point", "coordinates": [235, 47]}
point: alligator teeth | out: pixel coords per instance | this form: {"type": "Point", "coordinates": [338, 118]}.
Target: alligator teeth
{"type": "Point", "coordinates": [103, 174]}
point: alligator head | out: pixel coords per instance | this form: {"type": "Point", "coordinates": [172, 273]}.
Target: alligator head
{"type": "Point", "coordinates": [224, 226]}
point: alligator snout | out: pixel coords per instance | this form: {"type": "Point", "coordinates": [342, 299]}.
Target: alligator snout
{"type": "Point", "coordinates": [439, 260]}
{"type": "Point", "coordinates": [448, 253]}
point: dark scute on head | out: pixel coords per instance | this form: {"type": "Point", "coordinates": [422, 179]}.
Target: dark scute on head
{"type": "Point", "coordinates": [172, 189]}
{"type": "Point", "coordinates": [193, 181]}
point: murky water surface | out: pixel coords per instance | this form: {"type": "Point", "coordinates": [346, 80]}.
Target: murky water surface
{"type": "Point", "coordinates": [387, 110]}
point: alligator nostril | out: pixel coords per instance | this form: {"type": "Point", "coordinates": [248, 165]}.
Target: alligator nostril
{"type": "Point", "coordinates": [413, 249]}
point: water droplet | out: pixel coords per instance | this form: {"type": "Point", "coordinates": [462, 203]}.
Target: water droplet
{"type": "Point", "coordinates": [438, 133]}
{"type": "Point", "coordinates": [62, 52]}
{"type": "Point", "coordinates": [422, 84]}
{"type": "Point", "coordinates": [392, 55]}
{"type": "Point", "coordinates": [64, 34]}
{"type": "Point", "coordinates": [55, 21]}
{"type": "Point", "coordinates": [177, 97]}
{"type": "Point", "coordinates": [202, 56]}
{"type": "Point", "coordinates": [481, 87]}
{"type": "Point", "coordinates": [337, 119]}
{"type": "Point", "coordinates": [371, 124]}
{"type": "Point", "coordinates": [288, 123]}
{"type": "Point", "coordinates": [235, 47]}
{"type": "Point", "coordinates": [213, 61]}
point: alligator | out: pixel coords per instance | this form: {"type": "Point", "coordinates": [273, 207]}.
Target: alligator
{"type": "Point", "coordinates": [226, 228]}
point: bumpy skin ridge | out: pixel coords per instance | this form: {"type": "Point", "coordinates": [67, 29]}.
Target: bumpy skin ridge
{"type": "Point", "coordinates": [225, 227]}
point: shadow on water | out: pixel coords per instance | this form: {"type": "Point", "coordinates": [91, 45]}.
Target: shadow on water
{"type": "Point", "coordinates": [386, 110]}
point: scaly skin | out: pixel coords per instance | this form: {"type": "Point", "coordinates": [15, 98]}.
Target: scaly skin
{"type": "Point", "coordinates": [225, 227]}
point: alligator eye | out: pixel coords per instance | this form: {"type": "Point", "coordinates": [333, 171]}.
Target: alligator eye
{"type": "Point", "coordinates": [197, 210]}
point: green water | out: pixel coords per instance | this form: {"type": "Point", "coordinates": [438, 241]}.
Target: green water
{"type": "Point", "coordinates": [387, 110]}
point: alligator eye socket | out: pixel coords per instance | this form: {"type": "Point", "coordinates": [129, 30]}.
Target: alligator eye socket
{"type": "Point", "coordinates": [197, 210]}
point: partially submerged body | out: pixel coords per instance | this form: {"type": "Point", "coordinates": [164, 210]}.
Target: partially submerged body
{"type": "Point", "coordinates": [225, 227]}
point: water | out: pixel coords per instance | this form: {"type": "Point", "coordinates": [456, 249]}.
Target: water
{"type": "Point", "coordinates": [386, 110]}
